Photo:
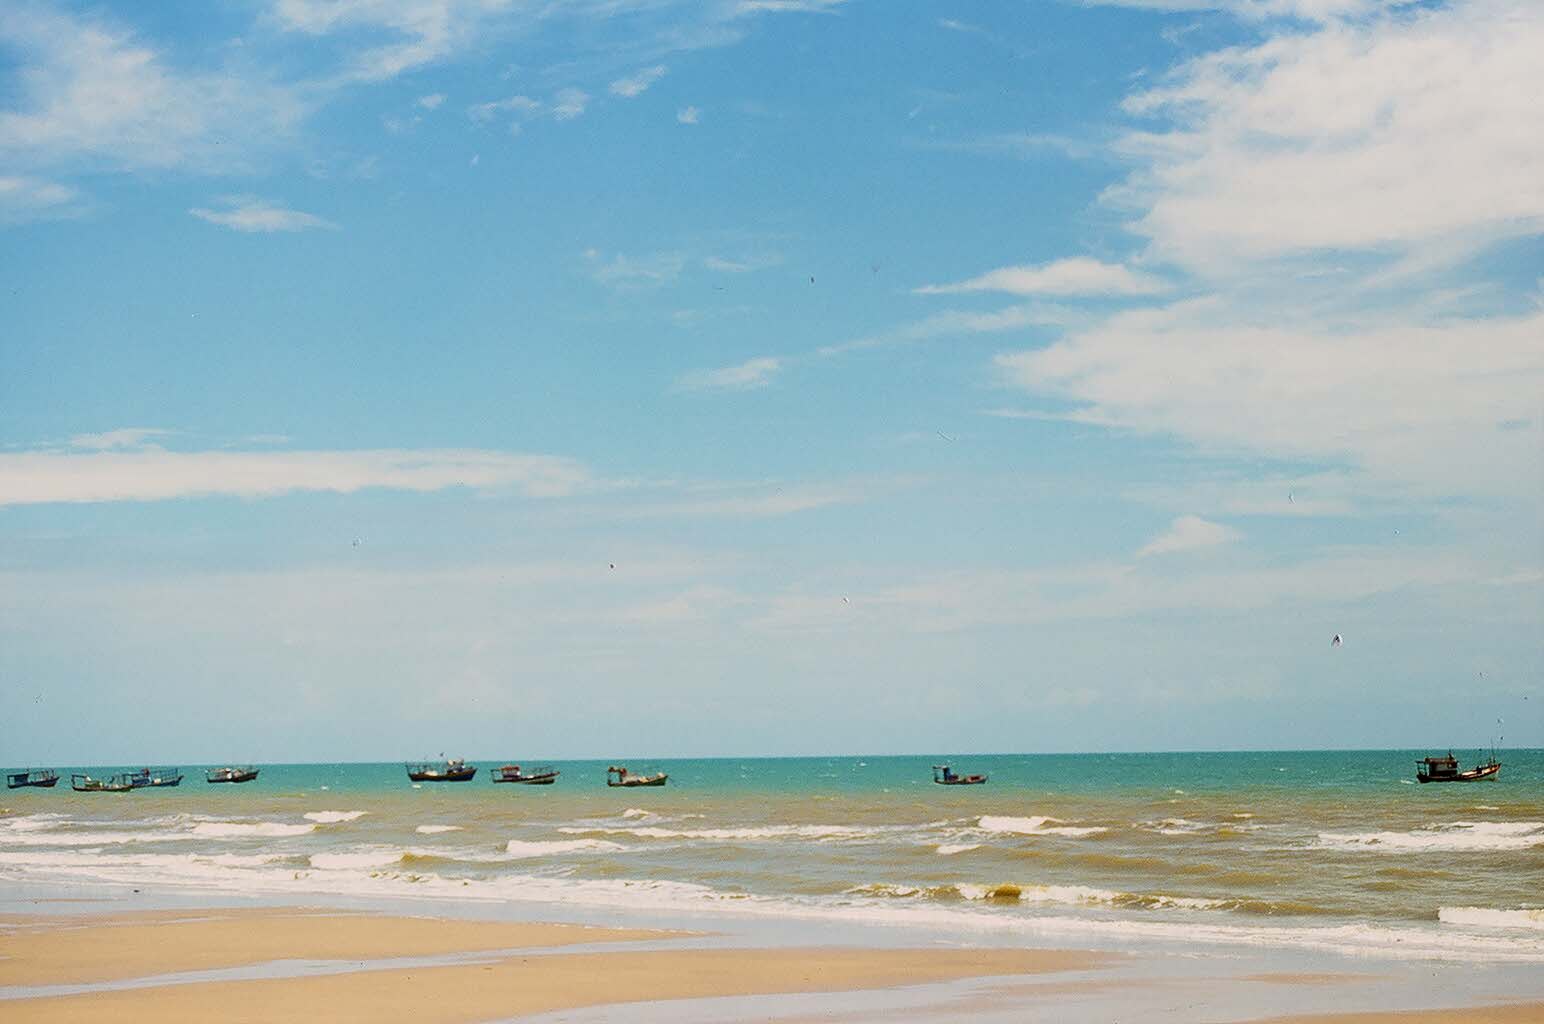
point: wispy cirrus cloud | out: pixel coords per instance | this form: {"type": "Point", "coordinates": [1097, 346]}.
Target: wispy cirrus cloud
{"type": "Point", "coordinates": [688, 115]}
{"type": "Point", "coordinates": [623, 271]}
{"type": "Point", "coordinates": [638, 83]}
{"type": "Point", "coordinates": [89, 92]}
{"type": "Point", "coordinates": [1187, 533]}
{"type": "Point", "coordinates": [122, 472]}
{"type": "Point", "coordinates": [1308, 142]}
{"type": "Point", "coordinates": [253, 214]}
{"type": "Point", "coordinates": [26, 198]}
{"type": "Point", "coordinates": [124, 437]}
{"type": "Point", "coordinates": [746, 376]}
{"type": "Point", "coordinates": [1075, 276]}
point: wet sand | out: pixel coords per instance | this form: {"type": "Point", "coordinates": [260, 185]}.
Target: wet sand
{"type": "Point", "coordinates": [79, 951]}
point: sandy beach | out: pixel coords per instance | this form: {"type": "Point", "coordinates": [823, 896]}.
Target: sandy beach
{"type": "Point", "coordinates": [507, 983]}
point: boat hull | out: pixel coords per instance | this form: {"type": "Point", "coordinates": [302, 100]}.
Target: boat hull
{"type": "Point", "coordinates": [531, 780]}
{"type": "Point", "coordinates": [1484, 771]}
{"type": "Point", "coordinates": [969, 780]}
{"type": "Point", "coordinates": [465, 776]}
{"type": "Point", "coordinates": [656, 780]}
{"type": "Point", "coordinates": [232, 777]}
{"type": "Point", "coordinates": [34, 784]}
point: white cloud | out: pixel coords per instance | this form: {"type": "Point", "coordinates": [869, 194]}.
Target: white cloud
{"type": "Point", "coordinates": [1076, 276]}
{"type": "Point", "coordinates": [23, 199]}
{"type": "Point", "coordinates": [1393, 135]}
{"type": "Point", "coordinates": [431, 101]}
{"type": "Point", "coordinates": [520, 106]}
{"type": "Point", "coordinates": [747, 376]}
{"type": "Point", "coordinates": [425, 31]}
{"type": "Point", "coordinates": [688, 115]}
{"type": "Point", "coordinates": [125, 437]}
{"type": "Point", "coordinates": [1408, 403]}
{"type": "Point", "coordinates": [88, 91]}
{"type": "Point", "coordinates": [787, 6]}
{"type": "Point", "coordinates": [636, 272]}
{"type": "Point", "coordinates": [742, 264]}
{"type": "Point", "coordinates": [637, 84]}
{"type": "Point", "coordinates": [568, 104]}
{"type": "Point", "coordinates": [253, 214]}
{"type": "Point", "coordinates": [154, 475]}
{"type": "Point", "coordinates": [1188, 533]}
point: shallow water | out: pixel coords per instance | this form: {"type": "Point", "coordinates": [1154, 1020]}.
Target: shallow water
{"type": "Point", "coordinates": [1331, 851]}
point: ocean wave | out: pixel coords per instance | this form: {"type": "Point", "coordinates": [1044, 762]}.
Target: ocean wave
{"type": "Point", "coordinates": [638, 812]}
{"type": "Point", "coordinates": [333, 817]}
{"type": "Point", "coordinates": [248, 830]}
{"type": "Point", "coordinates": [520, 848]}
{"type": "Point", "coordinates": [950, 849]}
{"type": "Point", "coordinates": [1047, 913]}
{"type": "Point", "coordinates": [379, 858]}
{"type": "Point", "coordinates": [1484, 917]}
{"type": "Point", "coordinates": [1459, 836]}
{"type": "Point", "coordinates": [434, 830]}
{"type": "Point", "coordinates": [816, 832]}
{"type": "Point", "coordinates": [1038, 825]}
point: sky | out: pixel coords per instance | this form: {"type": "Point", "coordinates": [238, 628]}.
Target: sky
{"type": "Point", "coordinates": [769, 377]}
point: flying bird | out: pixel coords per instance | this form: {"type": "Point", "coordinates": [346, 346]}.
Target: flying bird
{"type": "Point", "coordinates": [1290, 499]}
{"type": "Point", "coordinates": [945, 436]}
{"type": "Point", "coordinates": [612, 564]}
{"type": "Point", "coordinates": [1336, 642]}
{"type": "Point", "coordinates": [356, 542]}
{"type": "Point", "coordinates": [846, 601]}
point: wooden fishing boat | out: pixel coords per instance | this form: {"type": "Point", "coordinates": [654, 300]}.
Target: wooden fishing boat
{"type": "Point", "coordinates": [155, 777]}
{"type": "Point", "coordinates": [230, 774]}
{"type": "Point", "coordinates": [453, 770]}
{"type": "Point", "coordinates": [42, 778]}
{"type": "Point", "coordinates": [618, 776]}
{"type": "Point", "coordinates": [89, 784]}
{"type": "Point", "coordinates": [945, 776]}
{"type": "Point", "coordinates": [1445, 769]}
{"type": "Point", "coordinates": [544, 775]}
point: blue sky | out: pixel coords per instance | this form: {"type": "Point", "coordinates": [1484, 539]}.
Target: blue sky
{"type": "Point", "coordinates": [592, 378]}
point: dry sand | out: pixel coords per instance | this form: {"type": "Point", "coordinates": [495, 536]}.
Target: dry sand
{"type": "Point", "coordinates": [82, 950]}
{"type": "Point", "coordinates": [1511, 1013]}
{"type": "Point", "coordinates": [75, 951]}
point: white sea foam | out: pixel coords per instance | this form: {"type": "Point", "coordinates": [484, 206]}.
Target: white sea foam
{"type": "Point", "coordinates": [638, 812]}
{"type": "Point", "coordinates": [49, 838]}
{"type": "Point", "coordinates": [1033, 916]}
{"type": "Point", "coordinates": [333, 817]}
{"type": "Point", "coordinates": [377, 858]}
{"type": "Point", "coordinates": [1484, 917]}
{"type": "Point", "coordinates": [32, 822]}
{"type": "Point", "coordinates": [816, 832]}
{"type": "Point", "coordinates": [950, 849]}
{"type": "Point", "coordinates": [1038, 825]}
{"type": "Point", "coordinates": [520, 848]}
{"type": "Point", "coordinates": [1175, 827]}
{"type": "Point", "coordinates": [1459, 836]}
{"type": "Point", "coordinates": [434, 830]}
{"type": "Point", "coordinates": [248, 829]}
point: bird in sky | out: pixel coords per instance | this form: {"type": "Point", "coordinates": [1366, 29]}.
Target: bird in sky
{"type": "Point", "coordinates": [1336, 642]}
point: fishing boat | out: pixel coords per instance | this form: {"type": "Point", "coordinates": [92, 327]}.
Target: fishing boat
{"type": "Point", "coordinates": [543, 775]}
{"type": "Point", "coordinates": [453, 770]}
{"type": "Point", "coordinates": [230, 774]}
{"type": "Point", "coordinates": [1445, 769]}
{"type": "Point", "coordinates": [155, 777]}
{"type": "Point", "coordinates": [945, 776]}
{"type": "Point", "coordinates": [89, 784]}
{"type": "Point", "coordinates": [618, 776]}
{"type": "Point", "coordinates": [43, 778]}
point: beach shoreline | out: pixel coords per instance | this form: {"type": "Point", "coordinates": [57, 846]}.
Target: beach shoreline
{"type": "Point", "coordinates": [280, 963]}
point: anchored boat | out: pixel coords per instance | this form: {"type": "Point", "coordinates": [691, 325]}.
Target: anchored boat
{"type": "Point", "coordinates": [113, 784]}
{"type": "Point", "coordinates": [453, 770]}
{"type": "Point", "coordinates": [945, 776]}
{"type": "Point", "coordinates": [543, 775]}
{"type": "Point", "coordinates": [155, 777]}
{"type": "Point", "coordinates": [43, 778]}
{"type": "Point", "coordinates": [230, 774]}
{"type": "Point", "coordinates": [1445, 769]}
{"type": "Point", "coordinates": [619, 776]}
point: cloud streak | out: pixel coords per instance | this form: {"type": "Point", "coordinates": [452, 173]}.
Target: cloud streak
{"type": "Point", "coordinates": [255, 215]}
{"type": "Point", "coordinates": [35, 478]}
{"type": "Point", "coordinates": [1076, 276]}
{"type": "Point", "coordinates": [747, 376]}
{"type": "Point", "coordinates": [1188, 533]}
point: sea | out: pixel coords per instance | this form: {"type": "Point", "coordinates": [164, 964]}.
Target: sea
{"type": "Point", "coordinates": [1338, 852]}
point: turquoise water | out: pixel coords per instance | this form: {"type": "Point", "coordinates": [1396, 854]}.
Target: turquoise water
{"type": "Point", "coordinates": [1335, 850]}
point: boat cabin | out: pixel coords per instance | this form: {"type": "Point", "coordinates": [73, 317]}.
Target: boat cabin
{"type": "Point", "coordinates": [1437, 769]}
